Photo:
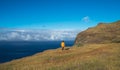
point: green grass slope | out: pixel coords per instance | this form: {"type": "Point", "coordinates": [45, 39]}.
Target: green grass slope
{"type": "Point", "coordinates": [86, 57]}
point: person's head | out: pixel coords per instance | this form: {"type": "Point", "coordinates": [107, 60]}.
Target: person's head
{"type": "Point", "coordinates": [63, 41]}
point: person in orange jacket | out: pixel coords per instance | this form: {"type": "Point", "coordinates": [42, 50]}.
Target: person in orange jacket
{"type": "Point", "coordinates": [63, 45]}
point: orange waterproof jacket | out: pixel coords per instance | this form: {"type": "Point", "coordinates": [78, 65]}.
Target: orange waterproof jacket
{"type": "Point", "coordinates": [62, 44]}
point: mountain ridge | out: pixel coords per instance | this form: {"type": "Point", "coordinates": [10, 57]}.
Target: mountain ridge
{"type": "Point", "coordinates": [102, 33]}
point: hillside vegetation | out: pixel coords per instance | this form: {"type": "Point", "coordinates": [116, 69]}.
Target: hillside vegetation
{"type": "Point", "coordinates": [102, 33]}
{"type": "Point", "coordinates": [86, 57]}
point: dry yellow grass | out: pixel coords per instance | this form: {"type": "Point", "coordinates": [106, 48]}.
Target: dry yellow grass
{"type": "Point", "coordinates": [102, 33]}
{"type": "Point", "coordinates": [87, 57]}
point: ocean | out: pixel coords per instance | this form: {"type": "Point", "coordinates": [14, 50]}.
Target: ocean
{"type": "Point", "coordinates": [10, 50]}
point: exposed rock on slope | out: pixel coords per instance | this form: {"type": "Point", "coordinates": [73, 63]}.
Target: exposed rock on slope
{"type": "Point", "coordinates": [102, 33]}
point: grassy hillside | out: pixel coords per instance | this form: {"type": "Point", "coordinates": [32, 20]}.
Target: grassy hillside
{"type": "Point", "coordinates": [86, 57]}
{"type": "Point", "coordinates": [102, 33]}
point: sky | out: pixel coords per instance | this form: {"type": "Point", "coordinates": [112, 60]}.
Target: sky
{"type": "Point", "coordinates": [57, 14]}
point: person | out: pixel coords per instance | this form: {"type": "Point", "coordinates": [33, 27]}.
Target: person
{"type": "Point", "coordinates": [63, 45]}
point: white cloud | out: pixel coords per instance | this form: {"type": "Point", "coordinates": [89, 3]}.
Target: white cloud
{"type": "Point", "coordinates": [38, 35]}
{"type": "Point", "coordinates": [20, 30]}
{"type": "Point", "coordinates": [86, 19]}
{"type": "Point", "coordinates": [28, 37]}
{"type": "Point", "coordinates": [14, 35]}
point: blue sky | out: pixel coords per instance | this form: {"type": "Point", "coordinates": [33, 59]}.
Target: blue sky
{"type": "Point", "coordinates": [57, 14]}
